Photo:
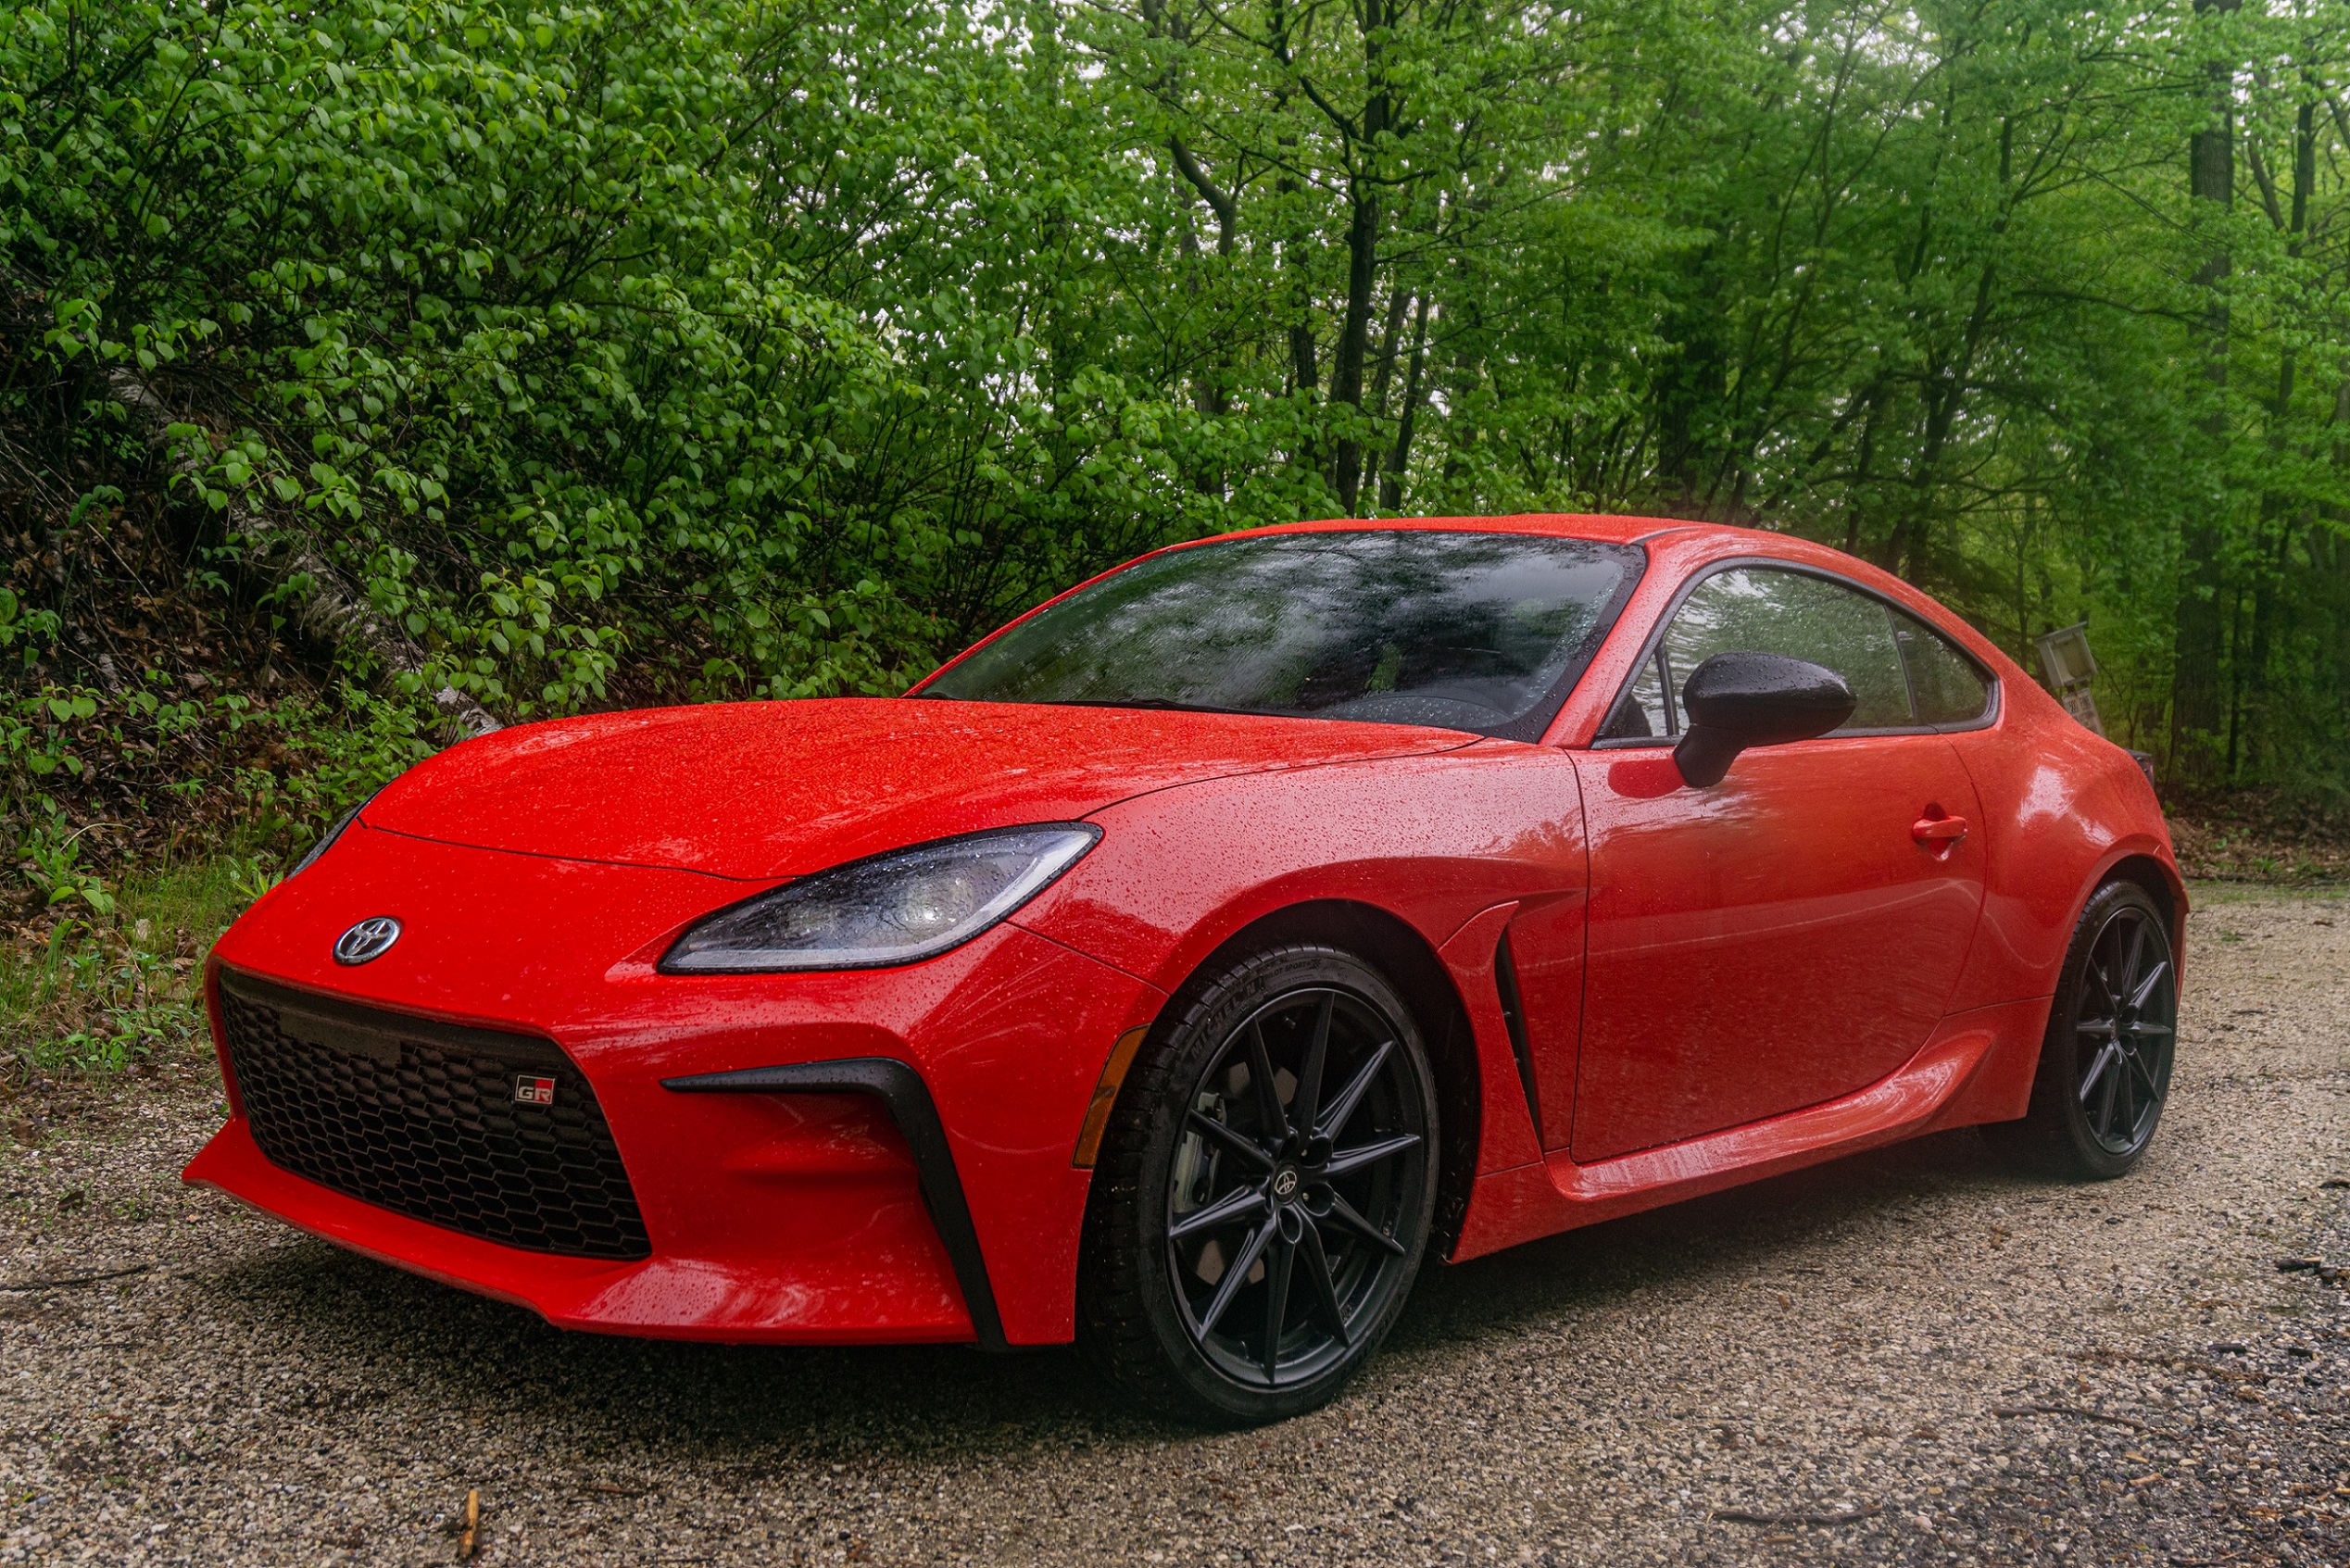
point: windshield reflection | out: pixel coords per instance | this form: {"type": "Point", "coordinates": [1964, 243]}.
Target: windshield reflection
{"type": "Point", "coordinates": [1479, 631]}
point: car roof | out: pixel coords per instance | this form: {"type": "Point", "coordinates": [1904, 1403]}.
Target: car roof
{"type": "Point", "coordinates": [1599, 526]}
{"type": "Point", "coordinates": [1685, 546]}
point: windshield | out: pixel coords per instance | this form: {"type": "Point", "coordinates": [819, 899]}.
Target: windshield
{"type": "Point", "coordinates": [1481, 632]}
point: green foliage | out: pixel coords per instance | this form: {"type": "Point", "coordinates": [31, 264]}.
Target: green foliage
{"type": "Point", "coordinates": [543, 319]}
{"type": "Point", "coordinates": [51, 853]}
{"type": "Point", "coordinates": [645, 351]}
{"type": "Point", "coordinates": [108, 971]}
{"type": "Point", "coordinates": [270, 777]}
{"type": "Point", "coordinates": [107, 989]}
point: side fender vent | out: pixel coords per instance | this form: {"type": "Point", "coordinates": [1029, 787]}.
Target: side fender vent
{"type": "Point", "coordinates": [1513, 1015]}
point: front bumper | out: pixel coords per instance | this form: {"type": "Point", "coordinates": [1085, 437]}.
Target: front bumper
{"type": "Point", "coordinates": [809, 1208]}
{"type": "Point", "coordinates": [904, 1292]}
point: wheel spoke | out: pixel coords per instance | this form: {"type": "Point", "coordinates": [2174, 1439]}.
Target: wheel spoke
{"type": "Point", "coordinates": [2095, 974]}
{"type": "Point", "coordinates": [2096, 1069]}
{"type": "Point", "coordinates": [2142, 1027]}
{"type": "Point", "coordinates": [1346, 1161]}
{"type": "Point", "coordinates": [1232, 1207]}
{"type": "Point", "coordinates": [2105, 1100]}
{"type": "Point", "coordinates": [1275, 1120]}
{"type": "Point", "coordinates": [2094, 1026]}
{"type": "Point", "coordinates": [1307, 1101]}
{"type": "Point", "coordinates": [1334, 1119]}
{"type": "Point", "coordinates": [1345, 1214]}
{"type": "Point", "coordinates": [1325, 1289]}
{"type": "Point", "coordinates": [2146, 987]}
{"type": "Point", "coordinates": [1237, 1276]}
{"type": "Point", "coordinates": [1232, 1138]}
{"type": "Point", "coordinates": [1279, 1263]}
{"type": "Point", "coordinates": [2139, 1069]}
{"type": "Point", "coordinates": [2131, 958]}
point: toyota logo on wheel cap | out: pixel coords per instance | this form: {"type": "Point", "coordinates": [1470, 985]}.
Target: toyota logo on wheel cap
{"type": "Point", "coordinates": [367, 941]}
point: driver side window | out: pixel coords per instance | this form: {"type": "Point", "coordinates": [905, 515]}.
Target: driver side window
{"type": "Point", "coordinates": [1759, 610]}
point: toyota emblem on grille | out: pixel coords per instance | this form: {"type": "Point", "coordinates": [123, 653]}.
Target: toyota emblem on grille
{"type": "Point", "coordinates": [367, 941]}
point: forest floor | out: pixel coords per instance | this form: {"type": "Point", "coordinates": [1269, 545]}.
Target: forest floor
{"type": "Point", "coordinates": [2262, 836]}
{"type": "Point", "coordinates": [1916, 1356]}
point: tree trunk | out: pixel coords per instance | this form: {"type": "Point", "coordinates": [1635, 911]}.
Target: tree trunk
{"type": "Point", "coordinates": [1354, 337]}
{"type": "Point", "coordinates": [1689, 393]}
{"type": "Point", "coordinates": [1210, 394]}
{"type": "Point", "coordinates": [1363, 250]}
{"type": "Point", "coordinates": [2198, 639]}
{"type": "Point", "coordinates": [1305, 375]}
{"type": "Point", "coordinates": [1391, 482]}
{"type": "Point", "coordinates": [329, 612]}
{"type": "Point", "coordinates": [2248, 714]}
{"type": "Point", "coordinates": [1390, 342]}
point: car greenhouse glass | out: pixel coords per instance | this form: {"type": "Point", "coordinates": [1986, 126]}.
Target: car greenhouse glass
{"type": "Point", "coordinates": [1479, 631]}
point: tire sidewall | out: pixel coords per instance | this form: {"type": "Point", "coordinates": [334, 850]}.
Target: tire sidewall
{"type": "Point", "coordinates": [1180, 1062]}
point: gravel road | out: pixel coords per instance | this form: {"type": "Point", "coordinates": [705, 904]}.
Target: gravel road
{"type": "Point", "coordinates": [1914, 1356]}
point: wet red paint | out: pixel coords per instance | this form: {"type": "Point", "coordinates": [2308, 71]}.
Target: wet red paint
{"type": "Point", "coordinates": [1718, 983]}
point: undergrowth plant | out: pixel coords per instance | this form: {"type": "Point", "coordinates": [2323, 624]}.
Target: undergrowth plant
{"type": "Point", "coordinates": [99, 992]}
{"type": "Point", "coordinates": [102, 970]}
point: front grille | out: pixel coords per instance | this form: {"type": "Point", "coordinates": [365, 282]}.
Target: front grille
{"type": "Point", "coordinates": [421, 1119]}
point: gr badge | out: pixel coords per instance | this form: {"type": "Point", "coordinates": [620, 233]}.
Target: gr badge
{"type": "Point", "coordinates": [534, 1091]}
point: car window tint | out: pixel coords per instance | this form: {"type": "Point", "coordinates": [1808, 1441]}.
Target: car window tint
{"type": "Point", "coordinates": [1639, 712]}
{"type": "Point", "coordinates": [1466, 631]}
{"type": "Point", "coordinates": [1949, 688]}
{"type": "Point", "coordinates": [1750, 609]}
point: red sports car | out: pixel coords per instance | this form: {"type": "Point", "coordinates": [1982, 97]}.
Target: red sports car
{"type": "Point", "coordinates": [1178, 968]}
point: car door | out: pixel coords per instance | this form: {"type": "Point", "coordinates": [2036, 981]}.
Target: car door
{"type": "Point", "coordinates": [1792, 933]}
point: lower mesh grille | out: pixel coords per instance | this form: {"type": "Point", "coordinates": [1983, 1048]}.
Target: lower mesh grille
{"type": "Point", "coordinates": [424, 1119]}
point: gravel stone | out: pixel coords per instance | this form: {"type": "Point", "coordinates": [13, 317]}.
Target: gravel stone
{"type": "Point", "coordinates": [1913, 1356]}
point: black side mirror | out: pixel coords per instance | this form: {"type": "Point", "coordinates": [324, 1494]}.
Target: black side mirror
{"type": "Point", "coordinates": [1735, 700]}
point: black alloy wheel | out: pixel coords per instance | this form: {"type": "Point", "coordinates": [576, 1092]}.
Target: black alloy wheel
{"type": "Point", "coordinates": [2123, 1017]}
{"type": "Point", "coordinates": [2104, 1068]}
{"type": "Point", "coordinates": [1265, 1191]}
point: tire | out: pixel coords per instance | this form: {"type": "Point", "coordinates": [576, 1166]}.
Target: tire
{"type": "Point", "coordinates": [2105, 1066]}
{"type": "Point", "coordinates": [1244, 1255]}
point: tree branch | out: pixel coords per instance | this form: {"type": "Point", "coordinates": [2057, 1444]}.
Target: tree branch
{"type": "Point", "coordinates": [2267, 183]}
{"type": "Point", "coordinates": [1227, 211]}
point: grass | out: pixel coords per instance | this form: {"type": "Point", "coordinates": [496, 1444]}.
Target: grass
{"type": "Point", "coordinates": [94, 994]}
{"type": "Point", "coordinates": [2204, 893]}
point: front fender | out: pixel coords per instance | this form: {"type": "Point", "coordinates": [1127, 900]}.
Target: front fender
{"type": "Point", "coordinates": [1430, 840]}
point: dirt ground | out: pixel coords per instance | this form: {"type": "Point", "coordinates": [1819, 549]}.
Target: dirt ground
{"type": "Point", "coordinates": [1914, 1356]}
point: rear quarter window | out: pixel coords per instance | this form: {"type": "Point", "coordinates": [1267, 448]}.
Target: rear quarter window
{"type": "Point", "coordinates": [1948, 688]}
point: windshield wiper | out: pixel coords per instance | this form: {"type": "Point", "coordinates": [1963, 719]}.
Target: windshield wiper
{"type": "Point", "coordinates": [1158, 704]}
{"type": "Point", "coordinates": [1164, 704]}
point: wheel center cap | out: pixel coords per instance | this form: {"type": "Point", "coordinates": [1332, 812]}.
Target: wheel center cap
{"type": "Point", "coordinates": [1286, 1182]}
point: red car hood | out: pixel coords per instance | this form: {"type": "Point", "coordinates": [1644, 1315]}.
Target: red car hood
{"type": "Point", "coordinates": [769, 789]}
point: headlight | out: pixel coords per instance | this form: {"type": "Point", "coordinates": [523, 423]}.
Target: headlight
{"type": "Point", "coordinates": [326, 839]}
{"type": "Point", "coordinates": [893, 909]}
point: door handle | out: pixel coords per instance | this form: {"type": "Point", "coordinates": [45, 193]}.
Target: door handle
{"type": "Point", "coordinates": [1939, 834]}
